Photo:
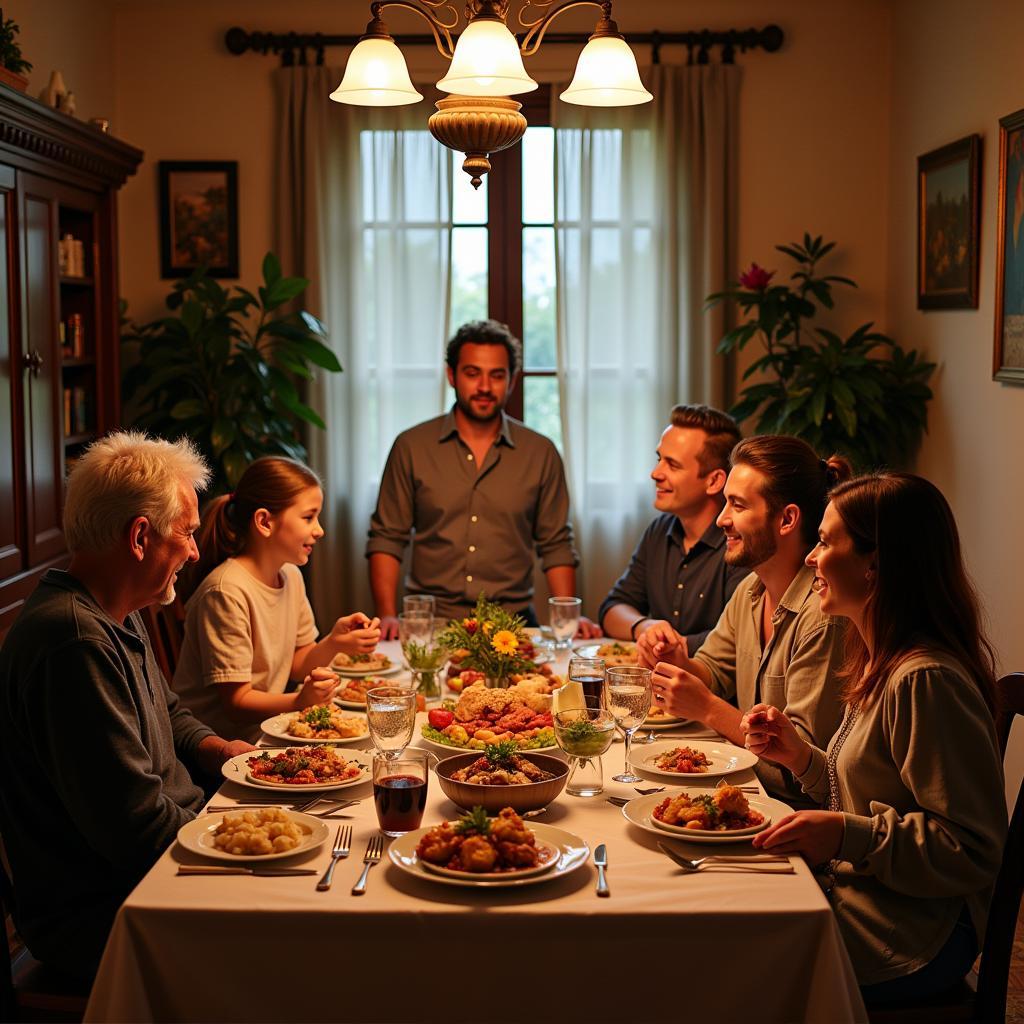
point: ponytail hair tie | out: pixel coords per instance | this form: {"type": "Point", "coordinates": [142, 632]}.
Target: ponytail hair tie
{"type": "Point", "coordinates": [231, 498]}
{"type": "Point", "coordinates": [823, 462]}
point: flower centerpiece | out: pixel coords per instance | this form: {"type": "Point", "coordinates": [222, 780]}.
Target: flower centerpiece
{"type": "Point", "coordinates": [493, 641]}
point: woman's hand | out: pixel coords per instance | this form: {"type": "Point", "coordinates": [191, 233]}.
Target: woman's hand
{"type": "Point", "coordinates": [815, 835]}
{"type": "Point", "coordinates": [768, 733]}
{"type": "Point", "coordinates": [356, 634]}
{"type": "Point", "coordinates": [660, 642]}
{"type": "Point", "coordinates": [317, 688]}
{"type": "Point", "coordinates": [679, 692]}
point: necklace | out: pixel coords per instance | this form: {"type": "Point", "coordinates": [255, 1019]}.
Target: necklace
{"type": "Point", "coordinates": [834, 803]}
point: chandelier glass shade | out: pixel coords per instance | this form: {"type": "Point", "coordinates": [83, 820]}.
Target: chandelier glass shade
{"type": "Point", "coordinates": [486, 70]}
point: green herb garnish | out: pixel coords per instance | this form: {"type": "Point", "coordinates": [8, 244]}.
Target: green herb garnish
{"type": "Point", "coordinates": [709, 805]}
{"type": "Point", "coordinates": [499, 754]}
{"type": "Point", "coordinates": [580, 730]}
{"type": "Point", "coordinates": [475, 821]}
{"type": "Point", "coordinates": [319, 717]}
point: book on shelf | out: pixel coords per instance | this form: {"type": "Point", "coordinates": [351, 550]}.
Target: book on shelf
{"type": "Point", "coordinates": [72, 336]}
{"type": "Point", "coordinates": [77, 411]}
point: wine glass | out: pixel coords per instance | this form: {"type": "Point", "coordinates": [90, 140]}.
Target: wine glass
{"type": "Point", "coordinates": [400, 790]}
{"type": "Point", "coordinates": [589, 673]}
{"type": "Point", "coordinates": [564, 617]}
{"type": "Point", "coordinates": [391, 716]}
{"type": "Point", "coordinates": [627, 695]}
{"type": "Point", "coordinates": [585, 734]}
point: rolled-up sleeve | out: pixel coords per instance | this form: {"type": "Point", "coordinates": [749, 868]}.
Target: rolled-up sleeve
{"type": "Point", "coordinates": [552, 530]}
{"type": "Point", "coordinates": [393, 519]}
{"type": "Point", "coordinates": [718, 652]}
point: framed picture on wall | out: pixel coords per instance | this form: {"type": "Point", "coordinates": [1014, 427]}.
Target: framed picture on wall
{"type": "Point", "coordinates": [1008, 351]}
{"type": "Point", "coordinates": [198, 217]}
{"type": "Point", "coordinates": [948, 210]}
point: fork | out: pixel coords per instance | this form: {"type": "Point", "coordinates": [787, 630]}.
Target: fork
{"type": "Point", "coordinates": [374, 849]}
{"type": "Point", "coordinates": [765, 864]}
{"type": "Point", "coordinates": [342, 848]}
{"type": "Point", "coordinates": [649, 790]}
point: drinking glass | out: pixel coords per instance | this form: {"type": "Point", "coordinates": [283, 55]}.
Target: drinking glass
{"type": "Point", "coordinates": [400, 790]}
{"type": "Point", "coordinates": [564, 616]}
{"type": "Point", "coordinates": [425, 655]}
{"type": "Point", "coordinates": [585, 734]}
{"type": "Point", "coordinates": [589, 673]}
{"type": "Point", "coordinates": [414, 628]}
{"type": "Point", "coordinates": [627, 695]}
{"type": "Point", "coordinates": [419, 604]}
{"type": "Point", "coordinates": [391, 715]}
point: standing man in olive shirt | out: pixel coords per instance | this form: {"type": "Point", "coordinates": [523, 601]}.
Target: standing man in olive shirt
{"type": "Point", "coordinates": [479, 494]}
{"type": "Point", "coordinates": [678, 573]}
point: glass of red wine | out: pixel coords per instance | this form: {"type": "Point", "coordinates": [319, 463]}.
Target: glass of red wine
{"type": "Point", "coordinates": [400, 790]}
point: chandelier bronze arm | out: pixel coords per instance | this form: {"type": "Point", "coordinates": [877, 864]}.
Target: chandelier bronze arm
{"type": "Point", "coordinates": [531, 42]}
{"type": "Point", "coordinates": [442, 37]}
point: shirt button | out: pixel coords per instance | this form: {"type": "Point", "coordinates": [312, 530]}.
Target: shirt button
{"type": "Point", "coordinates": [469, 579]}
{"type": "Point", "coordinates": [679, 586]}
{"type": "Point", "coordinates": [675, 613]}
{"type": "Point", "coordinates": [472, 519]}
{"type": "Point", "coordinates": [469, 458]}
{"type": "Point", "coordinates": [472, 547]}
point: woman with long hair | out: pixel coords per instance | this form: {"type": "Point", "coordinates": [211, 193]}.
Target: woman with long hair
{"type": "Point", "coordinates": [911, 842]}
{"type": "Point", "coordinates": [249, 629]}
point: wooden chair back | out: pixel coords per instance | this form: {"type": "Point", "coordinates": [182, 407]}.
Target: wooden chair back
{"type": "Point", "coordinates": [165, 625]}
{"type": "Point", "coordinates": [1009, 703]}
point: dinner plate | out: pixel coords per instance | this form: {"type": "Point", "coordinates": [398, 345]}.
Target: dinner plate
{"type": "Point", "coordinates": [572, 851]}
{"type": "Point", "coordinates": [547, 858]}
{"type": "Point", "coordinates": [638, 812]}
{"type": "Point", "coordinates": [278, 728]}
{"type": "Point", "coordinates": [236, 769]}
{"type": "Point", "coordinates": [362, 673]}
{"type": "Point", "coordinates": [443, 748]}
{"type": "Point", "coordinates": [197, 836]}
{"type": "Point", "coordinates": [725, 758]}
{"type": "Point", "coordinates": [664, 722]}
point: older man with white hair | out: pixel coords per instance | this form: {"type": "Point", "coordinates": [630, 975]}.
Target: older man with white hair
{"type": "Point", "coordinates": [95, 750]}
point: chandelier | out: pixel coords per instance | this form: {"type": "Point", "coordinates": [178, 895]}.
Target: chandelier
{"type": "Point", "coordinates": [486, 70]}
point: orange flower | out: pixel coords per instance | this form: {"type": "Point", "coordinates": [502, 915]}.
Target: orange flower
{"type": "Point", "coordinates": [488, 626]}
{"type": "Point", "coordinates": [504, 642]}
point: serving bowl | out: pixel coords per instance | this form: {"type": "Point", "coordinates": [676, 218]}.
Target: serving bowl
{"type": "Point", "coordinates": [526, 797]}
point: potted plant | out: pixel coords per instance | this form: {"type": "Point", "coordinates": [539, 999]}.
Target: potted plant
{"type": "Point", "coordinates": [864, 395]}
{"type": "Point", "coordinates": [223, 370]}
{"type": "Point", "coordinates": [12, 65]}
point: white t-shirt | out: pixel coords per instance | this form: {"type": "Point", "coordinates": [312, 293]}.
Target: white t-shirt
{"type": "Point", "coordinates": [237, 630]}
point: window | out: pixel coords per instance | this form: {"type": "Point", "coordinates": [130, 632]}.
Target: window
{"type": "Point", "coordinates": [503, 260]}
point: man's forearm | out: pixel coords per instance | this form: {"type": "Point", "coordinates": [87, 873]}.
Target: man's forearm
{"type": "Point", "coordinates": [384, 570]}
{"type": "Point", "coordinates": [724, 719]}
{"type": "Point", "coordinates": [619, 620]}
{"type": "Point", "coordinates": [561, 580]}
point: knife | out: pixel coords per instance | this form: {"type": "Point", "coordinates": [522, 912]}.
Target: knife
{"type": "Point", "coordinates": [601, 861]}
{"type": "Point", "coordinates": [210, 869]}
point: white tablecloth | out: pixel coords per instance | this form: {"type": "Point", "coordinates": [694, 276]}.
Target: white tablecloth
{"type": "Point", "coordinates": [665, 946]}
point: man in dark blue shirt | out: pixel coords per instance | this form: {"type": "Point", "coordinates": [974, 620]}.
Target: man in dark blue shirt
{"type": "Point", "coordinates": [677, 572]}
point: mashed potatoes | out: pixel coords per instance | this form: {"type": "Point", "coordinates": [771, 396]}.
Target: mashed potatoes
{"type": "Point", "coordinates": [249, 833]}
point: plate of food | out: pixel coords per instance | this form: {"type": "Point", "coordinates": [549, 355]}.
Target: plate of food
{"type": "Point", "coordinates": [364, 664]}
{"type": "Point", "coordinates": [266, 833]}
{"type": "Point", "coordinates": [659, 718]}
{"type": "Point", "coordinates": [321, 723]}
{"type": "Point", "coordinates": [306, 768]}
{"type": "Point", "coordinates": [613, 652]}
{"type": "Point", "coordinates": [696, 805]}
{"type": "Point", "coordinates": [352, 693]}
{"type": "Point", "coordinates": [500, 776]}
{"type": "Point", "coordinates": [489, 852]}
{"type": "Point", "coordinates": [707, 759]}
{"type": "Point", "coordinates": [481, 716]}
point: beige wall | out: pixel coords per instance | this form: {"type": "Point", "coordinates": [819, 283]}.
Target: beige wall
{"type": "Point", "coordinates": [956, 72]}
{"type": "Point", "coordinates": [75, 37]}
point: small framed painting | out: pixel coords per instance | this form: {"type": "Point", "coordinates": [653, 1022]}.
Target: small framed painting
{"type": "Point", "coordinates": [1008, 350]}
{"type": "Point", "coordinates": [948, 210]}
{"type": "Point", "coordinates": [198, 217]}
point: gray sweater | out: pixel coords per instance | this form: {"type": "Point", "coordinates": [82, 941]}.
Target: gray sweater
{"type": "Point", "coordinates": [92, 742]}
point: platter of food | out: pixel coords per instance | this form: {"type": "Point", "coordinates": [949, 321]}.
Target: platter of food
{"type": "Point", "coordinates": [737, 825]}
{"type": "Point", "coordinates": [659, 718]}
{"type": "Point", "coordinates": [489, 852]}
{"type": "Point", "coordinates": [267, 833]}
{"type": "Point", "coordinates": [364, 664]}
{"type": "Point", "coordinates": [500, 776]}
{"type": "Point", "coordinates": [307, 768]}
{"type": "Point", "coordinates": [706, 759]}
{"type": "Point", "coordinates": [613, 652]}
{"type": "Point", "coordinates": [321, 723]}
{"type": "Point", "coordinates": [518, 714]}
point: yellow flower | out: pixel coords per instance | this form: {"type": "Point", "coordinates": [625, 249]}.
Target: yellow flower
{"type": "Point", "coordinates": [488, 626]}
{"type": "Point", "coordinates": [504, 642]}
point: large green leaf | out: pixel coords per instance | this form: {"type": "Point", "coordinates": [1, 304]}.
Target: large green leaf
{"type": "Point", "coordinates": [186, 408]}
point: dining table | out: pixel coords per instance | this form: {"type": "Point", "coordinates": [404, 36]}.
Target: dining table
{"type": "Point", "coordinates": [665, 944]}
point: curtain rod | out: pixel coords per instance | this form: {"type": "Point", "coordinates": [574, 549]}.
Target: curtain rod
{"type": "Point", "coordinates": [770, 39]}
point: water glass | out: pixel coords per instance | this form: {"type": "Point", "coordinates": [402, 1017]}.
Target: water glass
{"type": "Point", "coordinates": [400, 790]}
{"type": "Point", "coordinates": [564, 616]}
{"type": "Point", "coordinates": [589, 673]}
{"type": "Point", "coordinates": [391, 716]}
{"type": "Point", "coordinates": [585, 734]}
{"type": "Point", "coordinates": [419, 604]}
{"type": "Point", "coordinates": [416, 628]}
{"type": "Point", "coordinates": [627, 695]}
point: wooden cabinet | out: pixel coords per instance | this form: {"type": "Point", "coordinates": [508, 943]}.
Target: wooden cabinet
{"type": "Point", "coordinates": [59, 326]}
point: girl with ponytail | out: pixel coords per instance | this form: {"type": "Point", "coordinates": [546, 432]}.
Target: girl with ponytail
{"type": "Point", "coordinates": [249, 628]}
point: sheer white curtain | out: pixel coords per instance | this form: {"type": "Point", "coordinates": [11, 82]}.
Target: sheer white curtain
{"type": "Point", "coordinates": [363, 209]}
{"type": "Point", "coordinates": [644, 228]}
